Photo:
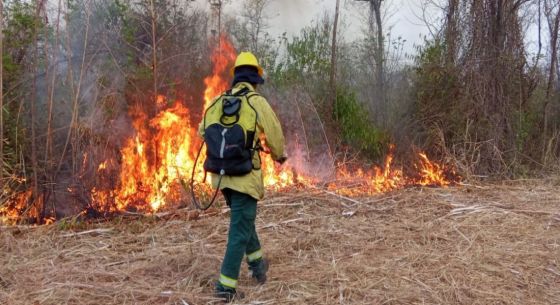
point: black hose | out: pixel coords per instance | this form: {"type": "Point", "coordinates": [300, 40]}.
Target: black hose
{"type": "Point", "coordinates": [193, 195]}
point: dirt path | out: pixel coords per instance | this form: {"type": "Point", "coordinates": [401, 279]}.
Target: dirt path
{"type": "Point", "coordinates": [462, 245]}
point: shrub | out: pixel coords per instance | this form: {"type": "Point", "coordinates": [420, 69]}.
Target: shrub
{"type": "Point", "coordinates": [355, 128]}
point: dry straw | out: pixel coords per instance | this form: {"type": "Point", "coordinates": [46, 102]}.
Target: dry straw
{"type": "Point", "coordinates": [494, 244]}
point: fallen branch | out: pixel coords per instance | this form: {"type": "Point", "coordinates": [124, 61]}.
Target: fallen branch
{"type": "Point", "coordinates": [480, 208]}
{"type": "Point", "coordinates": [343, 197]}
{"type": "Point", "coordinates": [283, 204]}
{"type": "Point", "coordinates": [93, 232]}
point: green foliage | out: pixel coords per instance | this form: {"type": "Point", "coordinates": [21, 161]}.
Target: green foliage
{"type": "Point", "coordinates": [12, 132]}
{"type": "Point", "coordinates": [526, 124]}
{"type": "Point", "coordinates": [22, 30]}
{"type": "Point", "coordinates": [529, 124]}
{"type": "Point", "coordinates": [307, 63]}
{"type": "Point", "coordinates": [21, 27]}
{"type": "Point", "coordinates": [308, 55]}
{"type": "Point", "coordinates": [437, 93]}
{"type": "Point", "coordinates": [268, 51]}
{"type": "Point", "coordinates": [488, 102]}
{"type": "Point", "coordinates": [355, 127]}
{"type": "Point", "coordinates": [71, 224]}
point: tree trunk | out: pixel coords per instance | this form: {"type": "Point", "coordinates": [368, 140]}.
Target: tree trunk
{"type": "Point", "coordinates": [554, 29]}
{"type": "Point", "coordinates": [72, 137]}
{"type": "Point", "coordinates": [379, 57]}
{"type": "Point", "coordinates": [1, 97]}
{"type": "Point", "coordinates": [49, 160]}
{"type": "Point", "coordinates": [71, 85]}
{"type": "Point", "coordinates": [38, 204]}
{"type": "Point", "coordinates": [154, 48]}
{"type": "Point", "coordinates": [332, 106]}
{"type": "Point", "coordinates": [451, 32]}
{"type": "Point", "coordinates": [76, 104]}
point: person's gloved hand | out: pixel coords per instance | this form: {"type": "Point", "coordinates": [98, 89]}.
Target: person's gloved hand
{"type": "Point", "coordinates": [281, 160]}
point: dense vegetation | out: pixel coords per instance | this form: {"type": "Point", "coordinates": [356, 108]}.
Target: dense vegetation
{"type": "Point", "coordinates": [472, 93]}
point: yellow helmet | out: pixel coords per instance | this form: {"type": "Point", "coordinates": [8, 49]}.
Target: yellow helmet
{"type": "Point", "coordinates": [247, 59]}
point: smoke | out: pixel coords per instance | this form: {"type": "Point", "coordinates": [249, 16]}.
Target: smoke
{"type": "Point", "coordinates": [85, 88]}
{"type": "Point", "coordinates": [307, 145]}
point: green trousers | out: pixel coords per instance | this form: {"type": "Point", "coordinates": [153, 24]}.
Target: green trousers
{"type": "Point", "coordinates": [242, 236]}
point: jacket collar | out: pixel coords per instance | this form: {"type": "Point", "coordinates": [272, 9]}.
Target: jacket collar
{"type": "Point", "coordinates": [242, 85]}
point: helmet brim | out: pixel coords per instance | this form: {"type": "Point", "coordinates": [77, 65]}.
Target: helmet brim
{"type": "Point", "coordinates": [259, 70]}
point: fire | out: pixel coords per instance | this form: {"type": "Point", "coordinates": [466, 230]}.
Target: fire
{"type": "Point", "coordinates": [431, 173]}
{"type": "Point", "coordinates": [151, 162]}
{"type": "Point", "coordinates": [103, 165]}
{"type": "Point", "coordinates": [387, 178]}
{"type": "Point", "coordinates": [222, 60]}
{"type": "Point", "coordinates": [16, 205]}
{"type": "Point", "coordinates": [274, 176]}
{"type": "Point", "coordinates": [159, 156]}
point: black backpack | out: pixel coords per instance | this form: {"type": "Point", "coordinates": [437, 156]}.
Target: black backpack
{"type": "Point", "coordinates": [230, 140]}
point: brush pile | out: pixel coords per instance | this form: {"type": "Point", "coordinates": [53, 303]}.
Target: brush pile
{"type": "Point", "coordinates": [491, 244]}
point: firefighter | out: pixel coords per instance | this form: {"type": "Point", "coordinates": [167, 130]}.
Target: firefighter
{"type": "Point", "coordinates": [242, 190]}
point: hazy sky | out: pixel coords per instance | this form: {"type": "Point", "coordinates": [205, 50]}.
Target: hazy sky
{"type": "Point", "coordinates": [291, 15]}
{"type": "Point", "coordinates": [402, 18]}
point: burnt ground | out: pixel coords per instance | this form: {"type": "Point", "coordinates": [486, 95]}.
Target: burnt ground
{"type": "Point", "coordinates": [470, 244]}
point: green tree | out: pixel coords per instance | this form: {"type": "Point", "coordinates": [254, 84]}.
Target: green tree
{"type": "Point", "coordinates": [308, 58]}
{"type": "Point", "coordinates": [356, 128]}
{"type": "Point", "coordinates": [21, 27]}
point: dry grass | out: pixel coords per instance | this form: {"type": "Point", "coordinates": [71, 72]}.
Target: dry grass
{"type": "Point", "coordinates": [493, 244]}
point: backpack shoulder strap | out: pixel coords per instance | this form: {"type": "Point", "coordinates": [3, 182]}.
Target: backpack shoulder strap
{"type": "Point", "coordinates": [212, 105]}
{"type": "Point", "coordinates": [251, 94]}
{"type": "Point", "coordinates": [248, 94]}
{"type": "Point", "coordinates": [242, 92]}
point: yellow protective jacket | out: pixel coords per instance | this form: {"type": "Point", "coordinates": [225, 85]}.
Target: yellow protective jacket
{"type": "Point", "coordinates": [267, 124]}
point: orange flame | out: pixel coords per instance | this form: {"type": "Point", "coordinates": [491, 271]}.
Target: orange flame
{"type": "Point", "coordinates": [432, 173]}
{"type": "Point", "coordinates": [386, 179]}
{"type": "Point", "coordinates": [222, 59]}
{"type": "Point", "coordinates": [15, 208]}
{"type": "Point", "coordinates": [151, 161]}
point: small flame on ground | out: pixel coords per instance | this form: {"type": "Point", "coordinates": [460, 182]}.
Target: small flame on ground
{"type": "Point", "coordinates": [277, 177]}
{"type": "Point", "coordinates": [431, 173]}
{"type": "Point", "coordinates": [388, 178]}
{"type": "Point", "coordinates": [15, 207]}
